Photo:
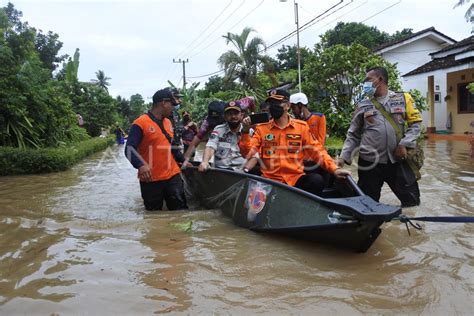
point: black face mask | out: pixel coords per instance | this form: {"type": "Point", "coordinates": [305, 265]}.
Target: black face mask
{"type": "Point", "coordinates": [276, 110]}
{"type": "Point", "coordinates": [233, 125]}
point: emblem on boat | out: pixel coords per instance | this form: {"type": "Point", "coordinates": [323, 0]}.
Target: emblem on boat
{"type": "Point", "coordinates": [269, 137]}
{"type": "Point", "coordinates": [257, 193]}
{"type": "Point", "coordinates": [152, 129]}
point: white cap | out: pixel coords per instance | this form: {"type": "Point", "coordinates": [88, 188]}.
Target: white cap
{"type": "Point", "coordinates": [299, 97]}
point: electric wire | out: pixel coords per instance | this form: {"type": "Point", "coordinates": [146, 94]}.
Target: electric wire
{"type": "Point", "coordinates": [205, 29]}
{"type": "Point", "coordinates": [230, 29]}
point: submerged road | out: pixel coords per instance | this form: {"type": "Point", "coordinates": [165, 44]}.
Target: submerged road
{"type": "Point", "coordinates": [80, 242]}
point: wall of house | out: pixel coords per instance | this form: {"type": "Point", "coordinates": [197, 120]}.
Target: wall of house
{"type": "Point", "coordinates": [412, 55]}
{"type": "Point", "coordinates": [420, 82]}
{"type": "Point", "coordinates": [461, 122]}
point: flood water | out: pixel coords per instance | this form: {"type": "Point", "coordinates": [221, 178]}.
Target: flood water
{"type": "Point", "coordinates": [80, 242]}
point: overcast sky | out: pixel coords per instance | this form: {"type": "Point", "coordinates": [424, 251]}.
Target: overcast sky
{"type": "Point", "coordinates": [135, 42]}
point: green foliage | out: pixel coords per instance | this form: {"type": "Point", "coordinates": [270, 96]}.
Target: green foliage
{"type": "Point", "coordinates": [24, 161]}
{"type": "Point", "coordinates": [470, 87]}
{"type": "Point", "coordinates": [334, 146]}
{"type": "Point", "coordinates": [358, 33]}
{"type": "Point", "coordinates": [244, 63]}
{"type": "Point", "coordinates": [71, 67]}
{"type": "Point", "coordinates": [288, 57]}
{"type": "Point", "coordinates": [420, 100]}
{"type": "Point", "coordinates": [96, 106]}
{"type": "Point", "coordinates": [102, 80]}
{"type": "Point", "coordinates": [333, 78]}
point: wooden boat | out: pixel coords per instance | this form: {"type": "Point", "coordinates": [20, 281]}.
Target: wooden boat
{"type": "Point", "coordinates": [341, 216]}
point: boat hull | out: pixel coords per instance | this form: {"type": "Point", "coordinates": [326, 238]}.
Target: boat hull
{"type": "Point", "coordinates": [267, 206]}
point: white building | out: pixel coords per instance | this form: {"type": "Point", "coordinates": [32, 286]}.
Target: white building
{"type": "Point", "coordinates": [446, 77]}
{"type": "Point", "coordinates": [412, 52]}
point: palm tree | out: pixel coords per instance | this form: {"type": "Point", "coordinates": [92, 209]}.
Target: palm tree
{"type": "Point", "coordinates": [102, 80]}
{"type": "Point", "coordinates": [469, 11]}
{"type": "Point", "coordinates": [244, 63]}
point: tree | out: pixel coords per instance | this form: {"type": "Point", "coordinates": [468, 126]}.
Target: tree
{"type": "Point", "coordinates": [244, 63]}
{"type": "Point", "coordinates": [333, 81]}
{"type": "Point", "coordinates": [71, 68]}
{"type": "Point", "coordinates": [137, 106]}
{"type": "Point", "coordinates": [358, 33]}
{"type": "Point", "coordinates": [102, 80]}
{"type": "Point", "coordinates": [48, 47]}
{"type": "Point", "coordinates": [469, 13]}
{"type": "Point", "coordinates": [287, 57]}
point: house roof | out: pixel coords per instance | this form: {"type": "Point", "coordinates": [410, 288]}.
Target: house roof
{"type": "Point", "coordinates": [409, 37]}
{"type": "Point", "coordinates": [439, 63]}
{"type": "Point", "coordinates": [469, 41]}
{"type": "Point", "coordinates": [448, 61]}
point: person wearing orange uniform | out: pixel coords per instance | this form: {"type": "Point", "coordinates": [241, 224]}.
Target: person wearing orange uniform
{"type": "Point", "coordinates": [315, 120]}
{"type": "Point", "coordinates": [150, 151]}
{"type": "Point", "coordinates": [283, 143]}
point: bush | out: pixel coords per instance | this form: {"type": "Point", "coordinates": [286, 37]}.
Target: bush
{"type": "Point", "coordinates": [15, 161]}
{"type": "Point", "coordinates": [334, 146]}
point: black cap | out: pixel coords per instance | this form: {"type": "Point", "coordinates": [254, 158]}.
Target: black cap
{"type": "Point", "coordinates": [175, 91]}
{"type": "Point", "coordinates": [233, 105]}
{"type": "Point", "coordinates": [278, 94]}
{"type": "Point", "coordinates": [216, 108]}
{"type": "Point", "coordinates": [164, 95]}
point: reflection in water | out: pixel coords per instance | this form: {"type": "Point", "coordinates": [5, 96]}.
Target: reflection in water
{"type": "Point", "coordinates": [80, 242]}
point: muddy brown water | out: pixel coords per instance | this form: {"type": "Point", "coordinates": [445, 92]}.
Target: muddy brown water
{"type": "Point", "coordinates": [80, 242]}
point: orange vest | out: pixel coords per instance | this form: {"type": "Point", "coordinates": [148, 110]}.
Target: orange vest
{"type": "Point", "coordinates": [317, 126]}
{"type": "Point", "coordinates": [283, 150]}
{"type": "Point", "coordinates": [155, 149]}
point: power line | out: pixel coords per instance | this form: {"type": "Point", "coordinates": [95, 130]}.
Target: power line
{"type": "Point", "coordinates": [286, 36]}
{"type": "Point", "coordinates": [230, 29]}
{"type": "Point", "coordinates": [216, 28]}
{"type": "Point", "coordinates": [206, 28]}
{"type": "Point", "coordinates": [381, 11]}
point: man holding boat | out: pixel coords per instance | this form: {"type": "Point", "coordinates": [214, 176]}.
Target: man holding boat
{"type": "Point", "coordinates": [282, 145]}
{"type": "Point", "coordinates": [149, 149]}
{"type": "Point", "coordinates": [385, 129]}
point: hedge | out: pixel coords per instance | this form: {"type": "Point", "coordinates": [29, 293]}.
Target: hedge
{"type": "Point", "coordinates": [15, 161]}
{"type": "Point", "coordinates": [334, 146]}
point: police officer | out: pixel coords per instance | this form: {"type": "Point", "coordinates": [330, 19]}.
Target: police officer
{"type": "Point", "coordinates": [381, 155]}
{"type": "Point", "coordinates": [227, 140]}
{"type": "Point", "coordinates": [283, 143]}
{"type": "Point", "coordinates": [150, 151]}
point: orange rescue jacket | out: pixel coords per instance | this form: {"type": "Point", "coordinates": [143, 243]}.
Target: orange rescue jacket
{"type": "Point", "coordinates": [155, 149]}
{"type": "Point", "coordinates": [283, 150]}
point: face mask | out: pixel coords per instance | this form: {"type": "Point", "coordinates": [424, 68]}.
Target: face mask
{"type": "Point", "coordinates": [276, 111]}
{"type": "Point", "coordinates": [369, 88]}
{"type": "Point", "coordinates": [233, 124]}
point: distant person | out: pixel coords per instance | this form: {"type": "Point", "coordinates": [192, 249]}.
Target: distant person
{"type": "Point", "coordinates": [149, 150]}
{"type": "Point", "coordinates": [175, 118]}
{"type": "Point", "coordinates": [379, 117]}
{"type": "Point", "coordinates": [190, 130]}
{"type": "Point", "coordinates": [119, 135]}
{"type": "Point", "coordinates": [227, 141]}
{"type": "Point", "coordinates": [315, 120]}
{"type": "Point", "coordinates": [283, 143]}
{"type": "Point", "coordinates": [215, 116]}
{"type": "Point", "coordinates": [80, 120]}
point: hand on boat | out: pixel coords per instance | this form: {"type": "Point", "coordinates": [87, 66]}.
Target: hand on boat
{"type": "Point", "coordinates": [186, 164]}
{"type": "Point", "coordinates": [340, 162]}
{"type": "Point", "coordinates": [203, 166]}
{"type": "Point", "coordinates": [341, 173]}
{"type": "Point", "coordinates": [144, 173]}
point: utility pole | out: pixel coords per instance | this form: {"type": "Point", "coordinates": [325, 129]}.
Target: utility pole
{"type": "Point", "coordinates": [179, 61]}
{"type": "Point", "coordinates": [298, 44]}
